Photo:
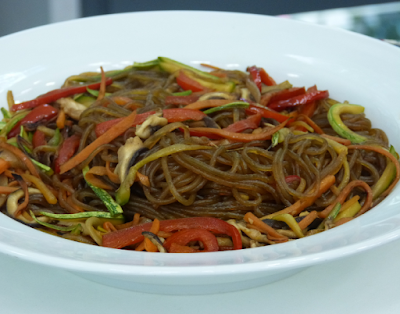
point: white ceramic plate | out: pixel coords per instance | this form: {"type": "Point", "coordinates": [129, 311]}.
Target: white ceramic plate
{"type": "Point", "coordinates": [353, 67]}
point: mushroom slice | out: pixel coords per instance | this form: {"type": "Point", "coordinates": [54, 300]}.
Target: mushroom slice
{"type": "Point", "coordinates": [216, 95]}
{"type": "Point", "coordinates": [145, 129]}
{"type": "Point", "coordinates": [71, 107]}
{"type": "Point", "coordinates": [12, 205]}
{"type": "Point", "coordinates": [125, 154]}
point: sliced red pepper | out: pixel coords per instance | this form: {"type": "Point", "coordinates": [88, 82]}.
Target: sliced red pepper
{"type": "Point", "coordinates": [67, 150]}
{"type": "Point", "coordinates": [172, 115]}
{"type": "Point", "coordinates": [181, 100]}
{"type": "Point", "coordinates": [309, 109]}
{"type": "Point", "coordinates": [287, 93]}
{"type": "Point", "coordinates": [185, 236]}
{"type": "Point", "coordinates": [188, 84]}
{"type": "Point", "coordinates": [252, 122]}
{"type": "Point", "coordinates": [41, 113]}
{"type": "Point", "coordinates": [132, 235]}
{"type": "Point", "coordinates": [266, 79]}
{"type": "Point", "coordinates": [38, 139]}
{"type": "Point", "coordinates": [267, 113]}
{"type": "Point", "coordinates": [298, 100]}
{"type": "Point", "coordinates": [57, 94]}
{"type": "Point", "coordinates": [255, 75]}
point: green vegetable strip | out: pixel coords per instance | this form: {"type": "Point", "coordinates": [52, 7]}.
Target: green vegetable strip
{"type": "Point", "coordinates": [56, 139]}
{"type": "Point", "coordinates": [51, 226]}
{"type": "Point", "coordinates": [95, 93]}
{"type": "Point", "coordinates": [82, 215]}
{"type": "Point", "coordinates": [123, 193]}
{"type": "Point", "coordinates": [387, 176]}
{"type": "Point", "coordinates": [43, 167]}
{"type": "Point", "coordinates": [111, 205]}
{"type": "Point", "coordinates": [6, 113]}
{"type": "Point", "coordinates": [185, 93]}
{"type": "Point", "coordinates": [236, 104]}
{"type": "Point", "coordinates": [332, 215]}
{"type": "Point", "coordinates": [291, 222]}
{"type": "Point", "coordinates": [14, 120]}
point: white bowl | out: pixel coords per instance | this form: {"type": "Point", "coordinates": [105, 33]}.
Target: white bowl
{"type": "Point", "coordinates": [353, 67]}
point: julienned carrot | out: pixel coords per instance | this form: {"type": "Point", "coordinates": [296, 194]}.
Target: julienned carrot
{"type": "Point", "coordinates": [143, 179]}
{"type": "Point", "coordinates": [110, 174]}
{"type": "Point", "coordinates": [7, 189]}
{"type": "Point", "coordinates": [60, 122]}
{"type": "Point", "coordinates": [90, 177]}
{"type": "Point", "coordinates": [4, 165]}
{"type": "Point", "coordinates": [102, 90]}
{"type": "Point", "coordinates": [308, 220]}
{"type": "Point", "coordinates": [21, 156]}
{"type": "Point", "coordinates": [305, 202]}
{"type": "Point", "coordinates": [109, 226]}
{"type": "Point", "coordinates": [210, 66]}
{"type": "Point", "coordinates": [140, 247]}
{"type": "Point", "coordinates": [148, 245]}
{"type": "Point", "coordinates": [272, 234]}
{"type": "Point", "coordinates": [387, 154]}
{"type": "Point", "coordinates": [311, 123]}
{"type": "Point", "coordinates": [343, 195]}
{"type": "Point", "coordinates": [343, 221]}
{"type": "Point", "coordinates": [237, 137]}
{"type": "Point", "coordinates": [340, 140]}
{"type": "Point", "coordinates": [210, 103]}
{"type": "Point", "coordinates": [105, 138]}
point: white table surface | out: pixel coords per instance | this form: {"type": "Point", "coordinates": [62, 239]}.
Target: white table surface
{"type": "Point", "coordinates": [365, 283]}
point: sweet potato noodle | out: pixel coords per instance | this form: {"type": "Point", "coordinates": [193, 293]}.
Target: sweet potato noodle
{"type": "Point", "coordinates": [163, 157]}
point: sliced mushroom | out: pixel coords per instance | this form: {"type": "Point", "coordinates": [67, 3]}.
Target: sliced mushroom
{"type": "Point", "coordinates": [12, 159]}
{"type": "Point", "coordinates": [12, 205]}
{"type": "Point", "coordinates": [216, 95]}
{"type": "Point", "coordinates": [71, 107]}
{"type": "Point", "coordinates": [152, 122]}
{"type": "Point", "coordinates": [3, 182]}
{"type": "Point", "coordinates": [125, 154]}
{"type": "Point", "coordinates": [155, 240]}
{"type": "Point", "coordinates": [251, 233]}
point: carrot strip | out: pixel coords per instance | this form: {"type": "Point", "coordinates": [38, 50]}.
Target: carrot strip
{"type": "Point", "coordinates": [271, 233]}
{"type": "Point", "coordinates": [143, 179]}
{"type": "Point", "coordinates": [164, 234]}
{"type": "Point", "coordinates": [105, 138]}
{"type": "Point", "coordinates": [343, 220]}
{"type": "Point", "coordinates": [239, 137]}
{"type": "Point", "coordinates": [140, 247]}
{"type": "Point", "coordinates": [210, 66]}
{"type": "Point", "coordinates": [60, 122]}
{"type": "Point", "coordinates": [311, 123]}
{"type": "Point", "coordinates": [48, 195]}
{"type": "Point", "coordinates": [8, 189]}
{"type": "Point", "coordinates": [121, 100]}
{"type": "Point", "coordinates": [306, 221]}
{"type": "Point", "coordinates": [136, 219]}
{"type": "Point", "coordinates": [4, 165]}
{"type": "Point", "coordinates": [109, 226]}
{"type": "Point", "coordinates": [21, 156]}
{"type": "Point", "coordinates": [349, 203]}
{"type": "Point", "coordinates": [102, 90]}
{"type": "Point", "coordinates": [340, 140]}
{"type": "Point", "coordinates": [387, 154]}
{"type": "Point", "coordinates": [210, 103]}
{"type": "Point", "coordinates": [90, 177]}
{"type": "Point", "coordinates": [305, 202]}
{"type": "Point", "coordinates": [111, 175]}
{"type": "Point", "coordinates": [343, 195]}
{"type": "Point", "coordinates": [148, 245]}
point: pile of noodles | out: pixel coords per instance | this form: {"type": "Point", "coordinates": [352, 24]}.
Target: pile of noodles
{"type": "Point", "coordinates": [225, 181]}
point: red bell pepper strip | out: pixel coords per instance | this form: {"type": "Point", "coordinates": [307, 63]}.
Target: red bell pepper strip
{"type": "Point", "coordinates": [252, 122]}
{"type": "Point", "coordinates": [132, 235]}
{"type": "Point", "coordinates": [255, 75]}
{"type": "Point", "coordinates": [38, 139]}
{"type": "Point", "coordinates": [41, 113]}
{"type": "Point", "coordinates": [298, 100]}
{"type": "Point", "coordinates": [172, 115]}
{"type": "Point", "coordinates": [67, 150]}
{"type": "Point", "coordinates": [287, 93]}
{"type": "Point", "coordinates": [57, 94]}
{"type": "Point", "coordinates": [266, 79]}
{"type": "Point", "coordinates": [181, 100]}
{"type": "Point", "coordinates": [188, 84]}
{"type": "Point", "coordinates": [267, 113]}
{"type": "Point", "coordinates": [185, 236]}
{"type": "Point", "coordinates": [309, 109]}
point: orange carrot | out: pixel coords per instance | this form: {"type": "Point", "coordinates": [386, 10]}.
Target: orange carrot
{"type": "Point", "coordinates": [90, 177]}
{"type": "Point", "coordinates": [305, 202]}
{"type": "Point", "coordinates": [148, 245]}
{"type": "Point", "coordinates": [143, 179]}
{"type": "Point", "coordinates": [48, 195]}
{"type": "Point", "coordinates": [61, 119]}
{"type": "Point", "coordinates": [271, 233]}
{"type": "Point", "coordinates": [343, 220]}
{"type": "Point", "coordinates": [105, 138]}
{"type": "Point", "coordinates": [4, 165]}
{"type": "Point", "coordinates": [21, 156]}
{"type": "Point", "coordinates": [210, 103]}
{"type": "Point", "coordinates": [8, 189]}
{"type": "Point", "coordinates": [210, 66]}
{"type": "Point", "coordinates": [311, 123]}
{"type": "Point", "coordinates": [136, 218]}
{"type": "Point", "coordinates": [306, 221]}
{"type": "Point", "coordinates": [387, 154]}
{"type": "Point", "coordinates": [102, 90]}
{"type": "Point", "coordinates": [111, 175]}
{"type": "Point", "coordinates": [121, 100]}
{"type": "Point", "coordinates": [340, 140]}
{"type": "Point", "coordinates": [109, 226]}
{"type": "Point", "coordinates": [140, 247]}
{"type": "Point", "coordinates": [343, 195]}
{"type": "Point", "coordinates": [239, 137]}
